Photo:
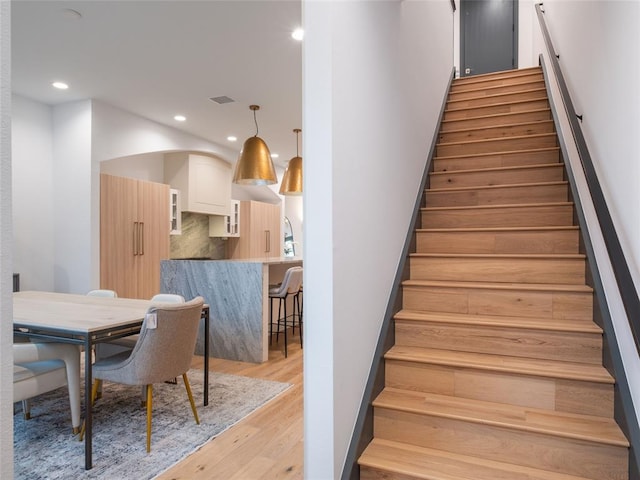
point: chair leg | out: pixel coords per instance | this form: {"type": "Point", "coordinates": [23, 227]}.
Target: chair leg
{"type": "Point", "coordinates": [285, 326]}
{"type": "Point", "coordinates": [149, 410]}
{"type": "Point", "coordinates": [193, 404]}
{"type": "Point", "coordinates": [26, 409]}
{"type": "Point", "coordinates": [279, 317]}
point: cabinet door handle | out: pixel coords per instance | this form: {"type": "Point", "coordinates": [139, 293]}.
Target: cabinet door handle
{"type": "Point", "coordinates": [135, 238]}
{"type": "Point", "coordinates": [141, 238]}
{"type": "Point", "coordinates": [267, 240]}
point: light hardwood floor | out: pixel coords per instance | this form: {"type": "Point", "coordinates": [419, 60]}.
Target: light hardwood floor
{"type": "Point", "coordinates": [265, 445]}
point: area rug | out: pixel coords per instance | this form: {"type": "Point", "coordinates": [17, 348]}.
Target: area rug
{"type": "Point", "coordinates": [44, 447]}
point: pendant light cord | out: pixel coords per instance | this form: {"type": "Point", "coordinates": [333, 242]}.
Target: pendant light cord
{"type": "Point", "coordinates": [256, 122]}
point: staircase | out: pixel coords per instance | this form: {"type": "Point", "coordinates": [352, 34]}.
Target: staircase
{"type": "Point", "coordinates": [496, 372]}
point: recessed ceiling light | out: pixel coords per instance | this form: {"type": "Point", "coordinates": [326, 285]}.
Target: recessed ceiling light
{"type": "Point", "coordinates": [231, 138]}
{"type": "Point", "coordinates": [60, 85]}
{"type": "Point", "coordinates": [298, 34]}
{"type": "Point", "coordinates": [180, 118]}
{"type": "Point", "coordinates": [274, 155]}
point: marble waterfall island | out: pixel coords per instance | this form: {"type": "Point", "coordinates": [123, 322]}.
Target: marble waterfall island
{"type": "Point", "coordinates": [237, 294]}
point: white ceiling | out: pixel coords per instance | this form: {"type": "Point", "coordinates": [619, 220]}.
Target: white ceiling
{"type": "Point", "coordinates": [161, 58]}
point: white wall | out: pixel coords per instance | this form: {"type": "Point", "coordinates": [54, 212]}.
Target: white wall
{"type": "Point", "coordinates": [599, 47]}
{"type": "Point", "coordinates": [118, 133]}
{"type": "Point", "coordinates": [6, 241]}
{"type": "Point", "coordinates": [57, 153]}
{"type": "Point", "coordinates": [74, 268]}
{"type": "Point", "coordinates": [375, 74]}
{"type": "Point", "coordinates": [33, 251]}
{"type": "Point", "coordinates": [146, 166]}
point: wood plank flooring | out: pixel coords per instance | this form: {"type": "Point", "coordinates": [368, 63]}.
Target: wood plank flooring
{"type": "Point", "coordinates": [268, 444]}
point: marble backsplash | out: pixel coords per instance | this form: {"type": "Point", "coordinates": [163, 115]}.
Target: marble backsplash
{"type": "Point", "coordinates": [195, 242]}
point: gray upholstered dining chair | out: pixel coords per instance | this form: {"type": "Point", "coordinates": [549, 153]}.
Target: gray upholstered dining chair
{"type": "Point", "coordinates": [120, 345]}
{"type": "Point", "coordinates": [164, 350]}
{"type": "Point", "coordinates": [42, 367]}
{"type": "Point", "coordinates": [290, 285]}
{"type": "Point", "coordinates": [126, 344]}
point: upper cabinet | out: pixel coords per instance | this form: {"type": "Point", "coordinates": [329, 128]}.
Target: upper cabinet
{"type": "Point", "coordinates": [204, 182]}
{"type": "Point", "coordinates": [260, 232]}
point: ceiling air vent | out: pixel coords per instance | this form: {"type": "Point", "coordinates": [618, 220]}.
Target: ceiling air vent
{"type": "Point", "coordinates": [222, 100]}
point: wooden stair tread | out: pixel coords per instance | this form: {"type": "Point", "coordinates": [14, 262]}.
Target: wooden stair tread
{"type": "Point", "coordinates": [497, 139]}
{"type": "Point", "coordinates": [529, 82]}
{"type": "Point", "coordinates": [509, 205]}
{"type": "Point", "coordinates": [497, 229]}
{"type": "Point", "coordinates": [558, 325]}
{"type": "Point", "coordinates": [516, 72]}
{"type": "Point", "coordinates": [502, 363]}
{"type": "Point", "coordinates": [472, 155]}
{"type": "Point", "coordinates": [514, 168]}
{"type": "Point", "coordinates": [506, 256]}
{"type": "Point", "coordinates": [499, 125]}
{"type": "Point", "coordinates": [495, 116]}
{"type": "Point", "coordinates": [493, 105]}
{"type": "Point", "coordinates": [490, 187]}
{"type": "Point", "coordinates": [566, 425]}
{"type": "Point", "coordinates": [541, 287]}
{"type": "Point", "coordinates": [430, 464]}
{"type": "Point", "coordinates": [496, 95]}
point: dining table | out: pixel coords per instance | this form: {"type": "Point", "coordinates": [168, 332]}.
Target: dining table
{"type": "Point", "coordinates": [86, 321]}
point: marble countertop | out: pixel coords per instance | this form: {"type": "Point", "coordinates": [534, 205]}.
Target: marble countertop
{"type": "Point", "coordinates": [264, 260]}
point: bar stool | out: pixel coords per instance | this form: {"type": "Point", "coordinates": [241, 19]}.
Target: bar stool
{"type": "Point", "coordinates": [290, 286]}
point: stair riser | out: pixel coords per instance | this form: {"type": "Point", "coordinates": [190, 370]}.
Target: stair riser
{"type": "Point", "coordinates": [528, 241]}
{"type": "Point", "coordinates": [465, 84]}
{"type": "Point", "coordinates": [499, 195]}
{"type": "Point", "coordinates": [535, 128]}
{"type": "Point", "coordinates": [512, 270]}
{"type": "Point", "coordinates": [548, 452]}
{"type": "Point", "coordinates": [569, 396]}
{"type": "Point", "coordinates": [497, 145]}
{"type": "Point", "coordinates": [495, 120]}
{"type": "Point", "coordinates": [495, 160]}
{"type": "Point", "coordinates": [515, 342]}
{"type": "Point", "coordinates": [525, 216]}
{"type": "Point", "coordinates": [496, 109]}
{"type": "Point", "coordinates": [552, 173]}
{"type": "Point", "coordinates": [496, 90]}
{"type": "Point", "coordinates": [484, 100]}
{"type": "Point", "coordinates": [481, 301]}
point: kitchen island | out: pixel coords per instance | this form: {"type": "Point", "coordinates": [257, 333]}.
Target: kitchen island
{"type": "Point", "coordinates": [237, 292]}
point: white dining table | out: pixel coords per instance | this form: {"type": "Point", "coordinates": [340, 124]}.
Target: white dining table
{"type": "Point", "coordinates": [85, 320]}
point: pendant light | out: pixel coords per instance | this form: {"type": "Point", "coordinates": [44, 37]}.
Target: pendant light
{"type": "Point", "coordinates": [254, 165]}
{"type": "Point", "coordinates": [292, 180]}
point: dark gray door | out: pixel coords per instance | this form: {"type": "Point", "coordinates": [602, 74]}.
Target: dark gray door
{"type": "Point", "coordinates": [488, 32]}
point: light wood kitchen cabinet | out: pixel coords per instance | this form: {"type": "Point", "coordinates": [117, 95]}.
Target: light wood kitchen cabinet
{"type": "Point", "coordinates": [260, 232]}
{"type": "Point", "coordinates": [134, 235]}
{"type": "Point", "coordinates": [204, 182]}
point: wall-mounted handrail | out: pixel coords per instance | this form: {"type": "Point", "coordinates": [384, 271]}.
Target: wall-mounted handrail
{"type": "Point", "coordinates": [626, 287]}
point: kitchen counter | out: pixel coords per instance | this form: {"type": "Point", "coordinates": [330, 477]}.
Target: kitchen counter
{"type": "Point", "coordinates": [237, 292]}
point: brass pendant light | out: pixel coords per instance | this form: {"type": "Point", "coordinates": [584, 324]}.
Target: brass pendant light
{"type": "Point", "coordinates": [292, 180]}
{"type": "Point", "coordinates": [254, 165]}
